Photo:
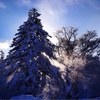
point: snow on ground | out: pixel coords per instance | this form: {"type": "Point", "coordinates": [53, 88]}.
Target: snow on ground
{"type": "Point", "coordinates": [57, 64]}
{"type": "Point", "coordinates": [25, 97]}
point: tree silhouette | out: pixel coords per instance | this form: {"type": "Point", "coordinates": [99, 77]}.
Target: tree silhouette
{"type": "Point", "coordinates": [89, 44]}
{"type": "Point", "coordinates": [1, 56]}
{"type": "Point", "coordinates": [77, 54]}
{"type": "Point", "coordinates": [71, 45]}
{"type": "Point", "coordinates": [66, 40]}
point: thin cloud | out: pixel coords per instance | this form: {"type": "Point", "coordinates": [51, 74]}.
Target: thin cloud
{"type": "Point", "coordinates": [95, 4]}
{"type": "Point", "coordinates": [24, 2]}
{"type": "Point", "coordinates": [53, 12]}
{"type": "Point", "coordinates": [2, 5]}
{"type": "Point", "coordinates": [5, 46]}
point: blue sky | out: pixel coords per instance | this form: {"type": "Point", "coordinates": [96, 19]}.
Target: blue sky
{"type": "Point", "coordinates": [55, 14]}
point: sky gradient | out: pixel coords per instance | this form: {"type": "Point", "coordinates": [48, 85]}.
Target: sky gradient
{"type": "Point", "coordinates": [55, 14]}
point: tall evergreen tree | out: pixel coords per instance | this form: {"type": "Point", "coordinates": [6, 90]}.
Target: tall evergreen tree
{"type": "Point", "coordinates": [27, 58]}
{"type": "Point", "coordinates": [1, 56]}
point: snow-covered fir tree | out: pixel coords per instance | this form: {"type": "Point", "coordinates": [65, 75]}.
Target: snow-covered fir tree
{"type": "Point", "coordinates": [1, 56]}
{"type": "Point", "coordinates": [28, 57]}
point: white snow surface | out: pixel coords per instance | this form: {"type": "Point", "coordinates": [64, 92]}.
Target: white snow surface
{"type": "Point", "coordinates": [25, 97]}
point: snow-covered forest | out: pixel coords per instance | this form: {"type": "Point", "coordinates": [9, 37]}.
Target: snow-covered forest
{"type": "Point", "coordinates": [35, 66]}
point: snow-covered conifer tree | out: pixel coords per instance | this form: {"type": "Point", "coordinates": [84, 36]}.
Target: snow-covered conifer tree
{"type": "Point", "coordinates": [28, 57]}
{"type": "Point", "coordinates": [1, 56]}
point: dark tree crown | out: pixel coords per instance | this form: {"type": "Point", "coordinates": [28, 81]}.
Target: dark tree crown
{"type": "Point", "coordinates": [33, 13]}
